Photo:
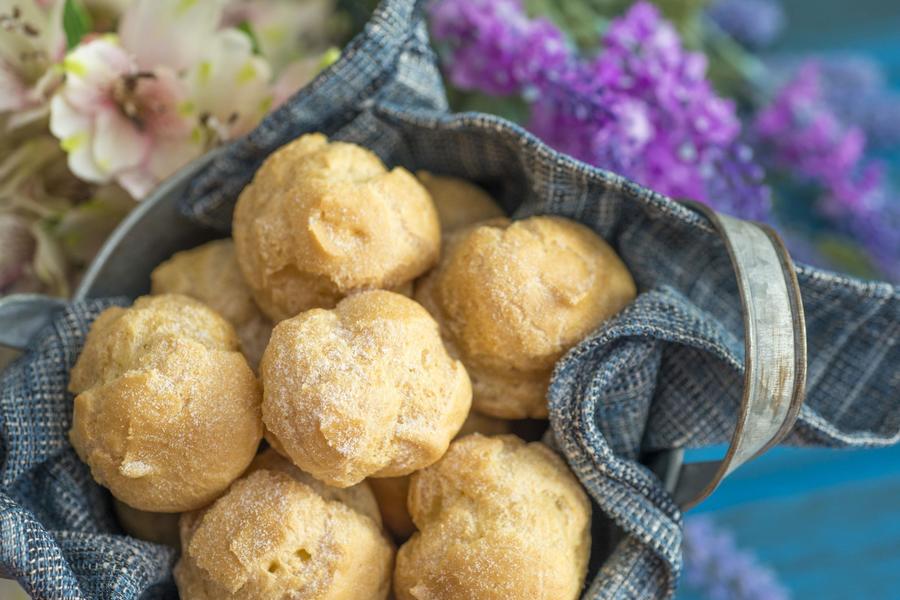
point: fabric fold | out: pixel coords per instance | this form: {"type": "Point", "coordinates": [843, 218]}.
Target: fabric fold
{"type": "Point", "coordinates": [665, 373]}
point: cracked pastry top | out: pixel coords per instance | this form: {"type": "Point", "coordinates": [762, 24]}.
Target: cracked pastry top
{"type": "Point", "coordinates": [277, 534]}
{"type": "Point", "coordinates": [323, 219]}
{"type": "Point", "coordinates": [364, 389]}
{"type": "Point", "coordinates": [498, 519]}
{"type": "Point", "coordinates": [513, 296]}
{"type": "Point", "coordinates": [167, 411]}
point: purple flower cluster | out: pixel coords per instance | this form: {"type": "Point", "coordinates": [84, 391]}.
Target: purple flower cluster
{"type": "Point", "coordinates": [806, 136]}
{"type": "Point", "coordinates": [714, 564]}
{"type": "Point", "coordinates": [494, 47]}
{"type": "Point", "coordinates": [646, 110]}
{"type": "Point", "coordinates": [642, 107]}
{"type": "Point", "coordinates": [752, 23]}
{"type": "Point", "coordinates": [808, 141]}
{"type": "Point", "coordinates": [856, 88]}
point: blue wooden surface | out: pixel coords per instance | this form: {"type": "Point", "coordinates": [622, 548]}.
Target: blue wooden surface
{"type": "Point", "coordinates": [828, 521]}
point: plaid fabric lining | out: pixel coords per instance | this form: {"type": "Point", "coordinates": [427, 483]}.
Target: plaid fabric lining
{"type": "Point", "coordinates": [665, 373]}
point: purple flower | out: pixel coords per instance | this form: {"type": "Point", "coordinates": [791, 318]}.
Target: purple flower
{"type": "Point", "coordinates": [642, 107]}
{"type": "Point", "coordinates": [856, 89]}
{"type": "Point", "coordinates": [808, 138]}
{"type": "Point", "coordinates": [738, 184]}
{"type": "Point", "coordinates": [807, 141]}
{"type": "Point", "coordinates": [494, 47]}
{"type": "Point", "coordinates": [714, 564]}
{"type": "Point", "coordinates": [880, 119]}
{"type": "Point", "coordinates": [752, 23]}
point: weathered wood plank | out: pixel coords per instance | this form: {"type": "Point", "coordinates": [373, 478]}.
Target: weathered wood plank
{"type": "Point", "coordinates": [828, 521]}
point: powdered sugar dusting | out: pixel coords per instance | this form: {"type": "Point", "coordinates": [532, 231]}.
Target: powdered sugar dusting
{"type": "Point", "coordinates": [348, 394]}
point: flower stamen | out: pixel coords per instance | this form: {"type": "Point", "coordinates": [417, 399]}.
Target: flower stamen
{"type": "Point", "coordinates": [13, 23]}
{"type": "Point", "coordinates": [125, 95]}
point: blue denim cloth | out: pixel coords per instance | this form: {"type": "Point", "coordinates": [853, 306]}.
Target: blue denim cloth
{"type": "Point", "coordinates": [665, 373]}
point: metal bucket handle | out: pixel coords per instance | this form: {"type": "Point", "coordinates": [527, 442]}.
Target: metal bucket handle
{"type": "Point", "coordinates": [774, 342]}
{"type": "Point", "coordinates": [774, 351]}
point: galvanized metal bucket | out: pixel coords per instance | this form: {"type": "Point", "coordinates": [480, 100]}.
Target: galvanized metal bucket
{"type": "Point", "coordinates": [775, 339]}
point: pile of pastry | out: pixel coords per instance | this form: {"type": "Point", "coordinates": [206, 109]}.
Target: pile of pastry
{"type": "Point", "coordinates": [383, 333]}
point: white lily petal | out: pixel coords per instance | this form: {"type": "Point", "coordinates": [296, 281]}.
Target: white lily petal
{"type": "Point", "coordinates": [138, 182]}
{"type": "Point", "coordinates": [65, 121]}
{"type": "Point", "coordinates": [75, 132]}
{"type": "Point", "coordinates": [285, 28]}
{"type": "Point", "coordinates": [91, 70]}
{"type": "Point", "coordinates": [231, 83]}
{"type": "Point", "coordinates": [45, 19]}
{"type": "Point", "coordinates": [169, 33]}
{"type": "Point", "coordinates": [81, 160]}
{"type": "Point", "coordinates": [118, 144]}
{"type": "Point", "coordinates": [97, 62]}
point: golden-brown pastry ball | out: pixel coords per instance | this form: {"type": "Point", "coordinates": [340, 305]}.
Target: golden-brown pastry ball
{"type": "Point", "coordinates": [359, 497]}
{"type": "Point", "coordinates": [210, 273]}
{"type": "Point", "coordinates": [159, 528]}
{"type": "Point", "coordinates": [391, 492]}
{"type": "Point", "coordinates": [272, 537]}
{"type": "Point", "coordinates": [458, 202]}
{"type": "Point", "coordinates": [498, 519]}
{"type": "Point", "coordinates": [364, 389]}
{"type": "Point", "coordinates": [323, 219]}
{"type": "Point", "coordinates": [167, 411]}
{"type": "Point", "coordinates": [513, 296]}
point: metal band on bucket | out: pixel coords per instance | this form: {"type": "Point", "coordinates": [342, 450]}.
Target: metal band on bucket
{"type": "Point", "coordinates": [774, 351]}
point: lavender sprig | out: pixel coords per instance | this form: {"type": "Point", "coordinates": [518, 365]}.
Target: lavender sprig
{"type": "Point", "coordinates": [714, 564]}
{"type": "Point", "coordinates": [642, 107]}
{"type": "Point", "coordinates": [494, 47]}
{"type": "Point", "coordinates": [856, 88]}
{"type": "Point", "coordinates": [807, 141]}
{"type": "Point", "coordinates": [804, 135]}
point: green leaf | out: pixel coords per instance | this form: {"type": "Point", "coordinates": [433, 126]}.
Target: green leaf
{"type": "Point", "coordinates": [76, 22]}
{"type": "Point", "coordinates": [247, 28]}
{"type": "Point", "coordinates": [329, 57]}
{"type": "Point", "coordinates": [846, 255]}
{"type": "Point", "coordinates": [585, 21]}
{"type": "Point", "coordinates": [508, 107]}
